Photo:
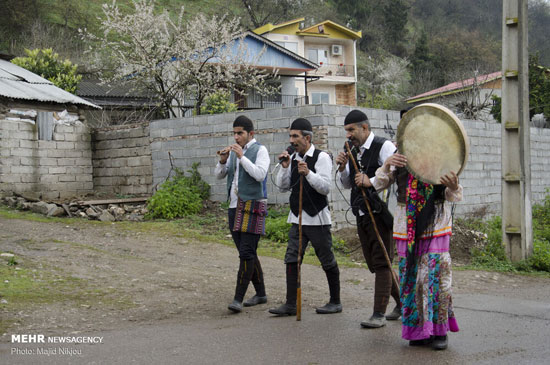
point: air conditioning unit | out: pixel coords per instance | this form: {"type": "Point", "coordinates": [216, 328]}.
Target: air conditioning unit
{"type": "Point", "coordinates": [336, 50]}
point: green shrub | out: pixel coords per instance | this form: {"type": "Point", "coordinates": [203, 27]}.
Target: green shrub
{"type": "Point", "coordinates": [540, 260]}
{"type": "Point", "coordinates": [218, 103]}
{"type": "Point", "coordinates": [197, 183]}
{"type": "Point", "coordinates": [339, 244]}
{"type": "Point", "coordinates": [276, 227]}
{"type": "Point", "coordinates": [494, 232]}
{"type": "Point", "coordinates": [541, 219]}
{"type": "Point", "coordinates": [493, 255]}
{"type": "Point", "coordinates": [179, 196]}
{"type": "Point", "coordinates": [541, 256]}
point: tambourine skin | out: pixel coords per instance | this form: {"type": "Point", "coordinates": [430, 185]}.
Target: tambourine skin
{"type": "Point", "coordinates": [434, 141]}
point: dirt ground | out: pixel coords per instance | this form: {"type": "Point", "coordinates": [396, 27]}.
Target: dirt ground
{"type": "Point", "coordinates": [108, 276]}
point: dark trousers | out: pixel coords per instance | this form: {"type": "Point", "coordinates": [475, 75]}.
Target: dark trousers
{"type": "Point", "coordinates": [250, 268]}
{"type": "Point", "coordinates": [321, 240]}
{"type": "Point", "coordinates": [376, 261]}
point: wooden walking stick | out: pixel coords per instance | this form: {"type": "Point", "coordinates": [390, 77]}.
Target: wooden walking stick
{"type": "Point", "coordinates": [298, 284]}
{"type": "Point", "coordinates": [394, 279]}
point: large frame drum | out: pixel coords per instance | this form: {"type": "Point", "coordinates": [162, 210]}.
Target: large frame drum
{"type": "Point", "coordinates": [434, 141]}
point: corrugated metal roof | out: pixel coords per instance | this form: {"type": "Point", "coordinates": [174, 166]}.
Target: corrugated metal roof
{"type": "Point", "coordinates": [18, 83]}
{"type": "Point", "coordinates": [123, 90]}
{"type": "Point", "coordinates": [456, 86]}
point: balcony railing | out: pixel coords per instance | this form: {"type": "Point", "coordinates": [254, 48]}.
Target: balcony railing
{"type": "Point", "coordinates": [258, 101]}
{"type": "Point", "coordinates": [335, 69]}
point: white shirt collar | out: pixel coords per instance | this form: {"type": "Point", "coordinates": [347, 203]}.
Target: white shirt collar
{"type": "Point", "coordinates": [252, 141]}
{"type": "Point", "coordinates": [309, 153]}
{"type": "Point", "coordinates": [368, 142]}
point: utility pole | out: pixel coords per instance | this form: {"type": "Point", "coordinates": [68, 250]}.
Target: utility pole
{"type": "Point", "coordinates": [517, 230]}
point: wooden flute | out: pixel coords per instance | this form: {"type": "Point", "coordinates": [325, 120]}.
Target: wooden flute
{"type": "Point", "coordinates": [224, 151]}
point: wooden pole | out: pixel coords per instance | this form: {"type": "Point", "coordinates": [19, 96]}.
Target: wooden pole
{"type": "Point", "coordinates": [299, 284]}
{"type": "Point", "coordinates": [395, 281]}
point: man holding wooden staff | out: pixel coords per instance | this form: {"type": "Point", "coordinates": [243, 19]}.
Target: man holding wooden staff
{"type": "Point", "coordinates": [246, 163]}
{"type": "Point", "coordinates": [313, 167]}
{"type": "Point", "coordinates": [369, 153]}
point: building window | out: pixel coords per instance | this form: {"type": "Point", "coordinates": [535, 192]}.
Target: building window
{"type": "Point", "coordinates": [319, 56]}
{"type": "Point", "coordinates": [319, 98]}
{"type": "Point", "coordinates": [291, 46]}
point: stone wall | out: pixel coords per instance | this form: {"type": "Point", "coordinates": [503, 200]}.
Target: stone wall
{"type": "Point", "coordinates": [122, 160]}
{"type": "Point", "coordinates": [59, 168]}
{"type": "Point", "coordinates": [196, 139]}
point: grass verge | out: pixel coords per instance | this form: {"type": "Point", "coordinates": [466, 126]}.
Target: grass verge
{"type": "Point", "coordinates": [32, 284]}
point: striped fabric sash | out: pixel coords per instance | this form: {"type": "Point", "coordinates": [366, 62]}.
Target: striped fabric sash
{"type": "Point", "coordinates": [250, 216]}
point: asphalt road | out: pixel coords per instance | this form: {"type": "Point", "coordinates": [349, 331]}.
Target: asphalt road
{"type": "Point", "coordinates": [493, 331]}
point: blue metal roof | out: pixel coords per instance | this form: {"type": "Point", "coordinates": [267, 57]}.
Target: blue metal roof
{"type": "Point", "coordinates": [275, 56]}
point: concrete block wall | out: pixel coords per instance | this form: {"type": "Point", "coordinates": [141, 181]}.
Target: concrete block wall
{"type": "Point", "coordinates": [122, 160]}
{"type": "Point", "coordinates": [196, 139]}
{"type": "Point", "coordinates": [56, 169]}
{"type": "Point", "coordinates": [481, 179]}
{"type": "Point", "coordinates": [540, 163]}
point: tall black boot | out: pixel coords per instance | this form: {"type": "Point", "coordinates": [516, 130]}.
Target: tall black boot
{"type": "Point", "coordinates": [333, 278]}
{"type": "Point", "coordinates": [246, 270]}
{"type": "Point", "coordinates": [258, 278]}
{"type": "Point", "coordinates": [289, 308]}
{"type": "Point", "coordinates": [291, 283]}
{"type": "Point", "coordinates": [334, 305]}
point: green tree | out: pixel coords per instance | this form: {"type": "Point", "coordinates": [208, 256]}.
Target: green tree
{"type": "Point", "coordinates": [365, 16]}
{"type": "Point", "coordinates": [178, 61]}
{"type": "Point", "coordinates": [539, 91]}
{"type": "Point", "coordinates": [395, 20]}
{"type": "Point", "coordinates": [262, 12]}
{"type": "Point", "coordinates": [15, 18]}
{"type": "Point", "coordinates": [46, 63]}
{"type": "Point", "coordinates": [421, 59]}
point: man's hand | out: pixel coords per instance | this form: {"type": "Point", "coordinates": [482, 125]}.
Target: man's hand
{"type": "Point", "coordinates": [450, 180]}
{"type": "Point", "coordinates": [224, 157]}
{"type": "Point", "coordinates": [285, 159]}
{"type": "Point", "coordinates": [302, 168]}
{"type": "Point", "coordinates": [341, 161]}
{"type": "Point", "coordinates": [237, 149]}
{"type": "Point", "coordinates": [396, 160]}
{"type": "Point", "coordinates": [362, 180]}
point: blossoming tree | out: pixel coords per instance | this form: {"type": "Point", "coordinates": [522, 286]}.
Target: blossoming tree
{"type": "Point", "coordinates": [181, 61]}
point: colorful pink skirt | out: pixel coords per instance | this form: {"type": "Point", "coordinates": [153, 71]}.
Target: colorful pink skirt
{"type": "Point", "coordinates": [426, 298]}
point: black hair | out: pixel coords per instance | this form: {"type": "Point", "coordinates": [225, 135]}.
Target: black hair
{"type": "Point", "coordinates": [244, 122]}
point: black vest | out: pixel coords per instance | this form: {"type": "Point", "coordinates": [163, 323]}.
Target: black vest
{"type": "Point", "coordinates": [312, 202]}
{"type": "Point", "coordinates": [368, 165]}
